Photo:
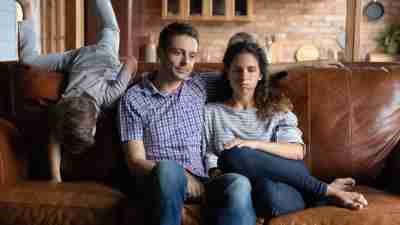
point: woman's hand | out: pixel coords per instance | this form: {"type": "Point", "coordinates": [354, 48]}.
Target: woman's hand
{"type": "Point", "coordinates": [237, 142]}
{"type": "Point", "coordinates": [215, 172]}
{"type": "Point", "coordinates": [293, 151]}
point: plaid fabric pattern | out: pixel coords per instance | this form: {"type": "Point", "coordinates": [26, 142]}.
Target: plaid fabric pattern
{"type": "Point", "coordinates": [170, 125]}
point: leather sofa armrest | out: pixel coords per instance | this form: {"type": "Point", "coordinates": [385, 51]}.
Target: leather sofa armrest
{"type": "Point", "coordinates": [389, 177]}
{"type": "Point", "coordinates": [13, 163]}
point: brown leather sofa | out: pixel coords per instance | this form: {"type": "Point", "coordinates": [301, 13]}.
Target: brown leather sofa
{"type": "Point", "coordinates": [350, 118]}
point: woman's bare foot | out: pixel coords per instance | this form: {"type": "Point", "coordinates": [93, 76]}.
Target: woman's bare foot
{"type": "Point", "coordinates": [345, 184]}
{"type": "Point", "coordinates": [347, 199]}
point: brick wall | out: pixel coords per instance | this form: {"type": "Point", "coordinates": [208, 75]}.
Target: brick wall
{"type": "Point", "coordinates": [294, 22]}
{"type": "Point", "coordinates": [370, 30]}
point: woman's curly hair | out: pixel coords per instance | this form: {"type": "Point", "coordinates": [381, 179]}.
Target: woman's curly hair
{"type": "Point", "coordinates": [269, 98]}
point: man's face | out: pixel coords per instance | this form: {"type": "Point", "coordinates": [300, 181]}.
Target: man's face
{"type": "Point", "coordinates": [180, 57]}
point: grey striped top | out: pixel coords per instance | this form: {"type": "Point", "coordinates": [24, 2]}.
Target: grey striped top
{"type": "Point", "coordinates": [224, 123]}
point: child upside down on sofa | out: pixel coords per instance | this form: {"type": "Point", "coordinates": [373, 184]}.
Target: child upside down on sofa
{"type": "Point", "coordinates": [95, 81]}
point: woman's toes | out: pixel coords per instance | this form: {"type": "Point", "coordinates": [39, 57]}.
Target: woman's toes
{"type": "Point", "coordinates": [361, 199]}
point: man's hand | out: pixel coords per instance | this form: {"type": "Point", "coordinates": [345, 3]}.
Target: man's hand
{"type": "Point", "coordinates": [194, 188]}
{"type": "Point", "coordinates": [237, 142]}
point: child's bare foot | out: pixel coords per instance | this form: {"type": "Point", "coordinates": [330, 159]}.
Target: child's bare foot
{"type": "Point", "coordinates": [345, 184]}
{"type": "Point", "coordinates": [27, 7]}
{"type": "Point", "coordinates": [346, 199]}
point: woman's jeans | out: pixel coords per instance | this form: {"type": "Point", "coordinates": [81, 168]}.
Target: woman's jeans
{"type": "Point", "coordinates": [279, 184]}
{"type": "Point", "coordinates": [228, 197]}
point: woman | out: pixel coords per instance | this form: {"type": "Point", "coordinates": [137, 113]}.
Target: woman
{"type": "Point", "coordinates": [254, 133]}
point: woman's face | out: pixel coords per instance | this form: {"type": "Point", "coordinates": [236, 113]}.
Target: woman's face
{"type": "Point", "coordinates": [244, 74]}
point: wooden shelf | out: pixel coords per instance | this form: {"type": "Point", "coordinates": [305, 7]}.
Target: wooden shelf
{"type": "Point", "coordinates": [381, 57]}
{"type": "Point", "coordinates": [208, 12]}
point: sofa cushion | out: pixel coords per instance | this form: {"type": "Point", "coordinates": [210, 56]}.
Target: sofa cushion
{"type": "Point", "coordinates": [349, 117]}
{"type": "Point", "coordinates": [35, 86]}
{"type": "Point", "coordinates": [383, 209]}
{"type": "Point", "coordinates": [41, 203]}
{"type": "Point", "coordinates": [13, 163]}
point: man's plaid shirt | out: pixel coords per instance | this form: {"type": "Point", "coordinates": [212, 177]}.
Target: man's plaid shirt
{"type": "Point", "coordinates": [170, 125]}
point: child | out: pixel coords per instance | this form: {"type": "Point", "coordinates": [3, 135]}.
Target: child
{"type": "Point", "coordinates": [73, 126]}
{"type": "Point", "coordinates": [95, 81]}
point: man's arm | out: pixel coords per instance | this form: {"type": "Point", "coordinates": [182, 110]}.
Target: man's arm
{"type": "Point", "coordinates": [136, 158]}
{"type": "Point", "coordinates": [138, 165]}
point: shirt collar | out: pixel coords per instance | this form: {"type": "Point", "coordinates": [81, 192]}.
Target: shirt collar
{"type": "Point", "coordinates": [149, 89]}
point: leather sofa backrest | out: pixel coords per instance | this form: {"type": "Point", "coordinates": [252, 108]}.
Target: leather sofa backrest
{"type": "Point", "coordinates": [350, 118]}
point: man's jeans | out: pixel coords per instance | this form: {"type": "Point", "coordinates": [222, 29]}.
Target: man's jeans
{"type": "Point", "coordinates": [228, 197]}
{"type": "Point", "coordinates": [279, 184]}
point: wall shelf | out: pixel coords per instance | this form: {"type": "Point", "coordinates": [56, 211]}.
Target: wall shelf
{"type": "Point", "coordinates": [208, 10]}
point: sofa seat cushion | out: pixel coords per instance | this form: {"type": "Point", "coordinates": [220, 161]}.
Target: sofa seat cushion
{"type": "Point", "coordinates": [191, 215]}
{"type": "Point", "coordinates": [383, 209]}
{"type": "Point", "coordinates": [42, 203]}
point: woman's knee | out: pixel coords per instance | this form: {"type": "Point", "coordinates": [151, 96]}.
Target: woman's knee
{"type": "Point", "coordinates": [237, 189]}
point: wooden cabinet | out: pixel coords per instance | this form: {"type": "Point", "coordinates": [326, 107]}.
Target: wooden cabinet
{"type": "Point", "coordinates": [208, 10]}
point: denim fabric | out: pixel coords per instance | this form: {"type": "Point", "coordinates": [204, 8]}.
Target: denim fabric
{"type": "Point", "coordinates": [228, 197]}
{"type": "Point", "coordinates": [271, 198]}
{"type": "Point", "coordinates": [278, 183]}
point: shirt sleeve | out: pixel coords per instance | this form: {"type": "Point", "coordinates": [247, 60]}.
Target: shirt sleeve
{"type": "Point", "coordinates": [287, 129]}
{"type": "Point", "coordinates": [130, 121]}
{"type": "Point", "coordinates": [115, 88]}
{"type": "Point", "coordinates": [211, 156]}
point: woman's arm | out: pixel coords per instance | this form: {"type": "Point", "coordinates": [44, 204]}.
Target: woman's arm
{"type": "Point", "coordinates": [293, 151]}
{"type": "Point", "coordinates": [54, 151]}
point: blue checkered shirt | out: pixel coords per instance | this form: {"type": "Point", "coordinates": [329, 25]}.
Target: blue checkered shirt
{"type": "Point", "coordinates": [170, 125]}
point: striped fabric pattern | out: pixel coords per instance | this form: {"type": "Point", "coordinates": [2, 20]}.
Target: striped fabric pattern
{"type": "Point", "coordinates": [224, 123]}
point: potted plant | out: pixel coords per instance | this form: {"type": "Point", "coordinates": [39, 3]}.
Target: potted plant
{"type": "Point", "coordinates": [389, 39]}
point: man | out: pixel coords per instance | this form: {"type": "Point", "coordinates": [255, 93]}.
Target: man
{"type": "Point", "coordinates": [161, 124]}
